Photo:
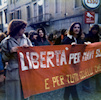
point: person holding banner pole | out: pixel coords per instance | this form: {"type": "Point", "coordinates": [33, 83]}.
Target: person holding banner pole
{"type": "Point", "coordinates": [74, 35]}
{"type": "Point", "coordinates": [9, 47]}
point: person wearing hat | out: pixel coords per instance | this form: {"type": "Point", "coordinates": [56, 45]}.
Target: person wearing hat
{"type": "Point", "coordinates": [9, 47]}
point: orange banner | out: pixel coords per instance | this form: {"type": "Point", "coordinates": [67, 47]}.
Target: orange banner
{"type": "Point", "coordinates": [47, 68]}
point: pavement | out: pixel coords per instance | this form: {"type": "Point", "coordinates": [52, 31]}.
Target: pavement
{"type": "Point", "coordinates": [58, 94]}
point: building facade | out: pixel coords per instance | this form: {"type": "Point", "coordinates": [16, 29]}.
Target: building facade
{"type": "Point", "coordinates": [3, 15]}
{"type": "Point", "coordinates": [50, 14]}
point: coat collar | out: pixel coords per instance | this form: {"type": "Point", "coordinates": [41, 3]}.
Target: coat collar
{"type": "Point", "coordinates": [23, 36]}
{"type": "Point", "coordinates": [71, 36]}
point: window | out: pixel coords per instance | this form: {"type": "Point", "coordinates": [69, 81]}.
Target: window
{"type": "Point", "coordinates": [5, 11]}
{"type": "Point", "coordinates": [12, 16]}
{"type": "Point", "coordinates": [19, 14]}
{"type": "Point", "coordinates": [46, 6]}
{"type": "Point", "coordinates": [11, 1]}
{"type": "Point", "coordinates": [0, 17]}
{"type": "Point", "coordinates": [35, 9]}
{"type": "Point", "coordinates": [78, 3]}
{"type": "Point", "coordinates": [57, 6]}
{"type": "Point", "coordinates": [28, 12]}
{"type": "Point", "coordinates": [0, 2]}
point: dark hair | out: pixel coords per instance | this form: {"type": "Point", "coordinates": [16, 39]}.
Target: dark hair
{"type": "Point", "coordinates": [2, 36]}
{"type": "Point", "coordinates": [50, 37]}
{"type": "Point", "coordinates": [94, 27]}
{"type": "Point", "coordinates": [27, 34]}
{"type": "Point", "coordinates": [43, 30]}
{"type": "Point", "coordinates": [63, 31]}
{"type": "Point", "coordinates": [32, 33]}
{"type": "Point", "coordinates": [14, 27]}
{"type": "Point", "coordinates": [71, 29]}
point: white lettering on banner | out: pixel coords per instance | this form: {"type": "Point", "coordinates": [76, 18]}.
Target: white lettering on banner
{"type": "Point", "coordinates": [75, 57]}
{"type": "Point", "coordinates": [34, 59]}
{"type": "Point", "coordinates": [57, 53]}
{"type": "Point", "coordinates": [42, 56]}
{"type": "Point", "coordinates": [50, 55]}
{"type": "Point", "coordinates": [47, 59]}
{"type": "Point", "coordinates": [60, 57]}
{"type": "Point", "coordinates": [44, 59]}
{"type": "Point", "coordinates": [98, 53]}
{"type": "Point", "coordinates": [63, 58]}
{"type": "Point", "coordinates": [30, 64]}
{"type": "Point", "coordinates": [23, 67]}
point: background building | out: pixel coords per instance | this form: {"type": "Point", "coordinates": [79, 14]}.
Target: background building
{"type": "Point", "coordinates": [50, 14]}
{"type": "Point", "coordinates": [3, 15]}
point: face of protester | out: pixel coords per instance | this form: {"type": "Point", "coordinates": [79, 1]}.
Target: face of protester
{"type": "Point", "coordinates": [82, 36]}
{"type": "Point", "coordinates": [66, 32]}
{"type": "Point", "coordinates": [76, 29]}
{"type": "Point", "coordinates": [41, 34]}
{"type": "Point", "coordinates": [21, 32]}
{"type": "Point", "coordinates": [35, 37]}
{"type": "Point", "coordinates": [94, 31]}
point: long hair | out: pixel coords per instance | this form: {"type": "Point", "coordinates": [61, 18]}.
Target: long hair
{"type": "Point", "coordinates": [70, 32]}
{"type": "Point", "coordinates": [14, 27]}
{"type": "Point", "coordinates": [44, 37]}
{"type": "Point", "coordinates": [2, 36]}
{"type": "Point", "coordinates": [94, 27]}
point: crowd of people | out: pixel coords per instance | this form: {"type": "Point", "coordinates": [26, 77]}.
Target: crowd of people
{"type": "Point", "coordinates": [16, 37]}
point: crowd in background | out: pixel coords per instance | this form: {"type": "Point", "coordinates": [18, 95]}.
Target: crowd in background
{"type": "Point", "coordinates": [16, 36]}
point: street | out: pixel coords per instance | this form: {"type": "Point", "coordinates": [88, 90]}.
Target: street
{"type": "Point", "coordinates": [58, 94]}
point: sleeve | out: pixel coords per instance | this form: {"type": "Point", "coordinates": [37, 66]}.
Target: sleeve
{"type": "Point", "coordinates": [66, 40]}
{"type": "Point", "coordinates": [29, 42]}
{"type": "Point", "coordinates": [5, 51]}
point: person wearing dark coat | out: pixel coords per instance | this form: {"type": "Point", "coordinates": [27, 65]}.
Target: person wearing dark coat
{"type": "Point", "coordinates": [93, 36]}
{"type": "Point", "coordinates": [73, 36]}
{"type": "Point", "coordinates": [41, 39]}
{"type": "Point", "coordinates": [33, 37]}
{"type": "Point", "coordinates": [61, 37]}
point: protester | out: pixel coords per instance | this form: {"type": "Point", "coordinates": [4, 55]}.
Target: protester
{"type": "Point", "coordinates": [74, 34]}
{"type": "Point", "coordinates": [42, 40]}
{"type": "Point", "coordinates": [61, 37]}
{"type": "Point", "coordinates": [2, 77]}
{"type": "Point", "coordinates": [82, 39]}
{"type": "Point", "coordinates": [33, 37]}
{"type": "Point", "coordinates": [93, 36]}
{"type": "Point", "coordinates": [64, 33]}
{"type": "Point", "coordinates": [9, 47]}
{"type": "Point", "coordinates": [51, 39]}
